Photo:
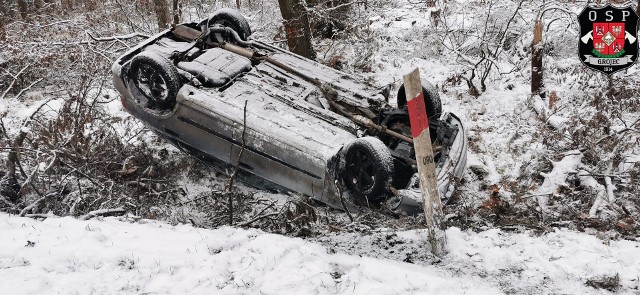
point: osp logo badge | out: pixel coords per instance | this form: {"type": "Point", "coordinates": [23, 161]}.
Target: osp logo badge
{"type": "Point", "coordinates": [609, 41]}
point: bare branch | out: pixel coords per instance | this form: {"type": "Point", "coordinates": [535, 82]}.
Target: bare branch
{"type": "Point", "coordinates": [118, 38]}
{"type": "Point", "coordinates": [15, 78]}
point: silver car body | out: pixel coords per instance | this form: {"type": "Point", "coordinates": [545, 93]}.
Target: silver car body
{"type": "Point", "coordinates": [291, 135]}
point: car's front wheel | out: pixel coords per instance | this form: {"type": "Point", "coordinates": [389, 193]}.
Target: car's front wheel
{"type": "Point", "coordinates": [156, 78]}
{"type": "Point", "coordinates": [368, 169]}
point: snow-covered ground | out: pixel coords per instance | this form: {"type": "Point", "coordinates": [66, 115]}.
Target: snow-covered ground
{"type": "Point", "coordinates": [120, 256]}
{"type": "Point", "coordinates": [68, 256]}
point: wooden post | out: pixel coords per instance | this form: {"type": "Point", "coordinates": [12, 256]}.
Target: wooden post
{"type": "Point", "coordinates": [432, 204]}
{"type": "Point", "coordinates": [537, 83]}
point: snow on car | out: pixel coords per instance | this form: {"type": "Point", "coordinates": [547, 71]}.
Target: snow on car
{"type": "Point", "coordinates": [217, 94]}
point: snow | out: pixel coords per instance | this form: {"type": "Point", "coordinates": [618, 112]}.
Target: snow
{"type": "Point", "coordinates": [118, 256]}
{"type": "Point", "coordinates": [109, 256]}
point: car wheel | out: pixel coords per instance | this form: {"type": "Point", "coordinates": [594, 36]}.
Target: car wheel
{"type": "Point", "coordinates": [156, 78]}
{"type": "Point", "coordinates": [431, 100]}
{"type": "Point", "coordinates": [368, 169]}
{"type": "Point", "coordinates": [229, 18]}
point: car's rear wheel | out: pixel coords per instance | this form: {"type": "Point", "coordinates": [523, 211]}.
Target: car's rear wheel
{"type": "Point", "coordinates": [228, 18]}
{"type": "Point", "coordinates": [431, 100]}
{"type": "Point", "coordinates": [156, 78]}
{"type": "Point", "coordinates": [368, 169]}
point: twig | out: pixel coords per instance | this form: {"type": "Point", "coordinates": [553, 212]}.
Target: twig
{"type": "Point", "coordinates": [15, 78]}
{"type": "Point", "coordinates": [258, 215]}
{"type": "Point", "coordinates": [45, 25]}
{"type": "Point", "coordinates": [235, 169]}
{"type": "Point", "coordinates": [197, 199]}
{"type": "Point", "coordinates": [4, 130]}
{"type": "Point", "coordinates": [6, 202]}
{"type": "Point", "coordinates": [83, 174]}
{"type": "Point", "coordinates": [325, 10]}
{"type": "Point", "coordinates": [258, 218]}
{"type": "Point", "coordinates": [27, 88]}
{"type": "Point", "coordinates": [344, 206]}
{"type": "Point", "coordinates": [118, 38]}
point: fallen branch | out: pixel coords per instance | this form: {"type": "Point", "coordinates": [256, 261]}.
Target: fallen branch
{"type": "Point", "coordinates": [545, 114]}
{"type": "Point", "coordinates": [589, 182]}
{"type": "Point", "coordinates": [43, 216]}
{"type": "Point", "coordinates": [13, 160]}
{"type": "Point", "coordinates": [36, 203]}
{"type": "Point", "coordinates": [556, 178]}
{"type": "Point", "coordinates": [102, 212]}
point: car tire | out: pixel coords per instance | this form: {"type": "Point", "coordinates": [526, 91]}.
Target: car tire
{"type": "Point", "coordinates": [230, 18]}
{"type": "Point", "coordinates": [156, 78]}
{"type": "Point", "coordinates": [431, 100]}
{"type": "Point", "coordinates": [368, 169]}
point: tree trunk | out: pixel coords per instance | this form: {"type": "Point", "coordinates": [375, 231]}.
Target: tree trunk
{"type": "Point", "coordinates": [4, 18]}
{"type": "Point", "coordinates": [537, 84]}
{"type": "Point", "coordinates": [3, 32]}
{"type": "Point", "coordinates": [162, 13]}
{"type": "Point", "coordinates": [296, 25]}
{"type": "Point", "coordinates": [23, 7]}
{"type": "Point", "coordinates": [176, 12]}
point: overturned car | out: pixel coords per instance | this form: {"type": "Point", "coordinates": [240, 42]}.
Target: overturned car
{"type": "Point", "coordinates": [217, 94]}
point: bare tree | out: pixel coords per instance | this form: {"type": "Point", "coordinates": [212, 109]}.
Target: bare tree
{"type": "Point", "coordinates": [479, 44]}
{"type": "Point", "coordinates": [162, 13]}
{"type": "Point", "coordinates": [296, 25]}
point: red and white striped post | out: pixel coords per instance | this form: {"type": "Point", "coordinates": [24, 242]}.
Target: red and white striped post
{"type": "Point", "coordinates": [426, 165]}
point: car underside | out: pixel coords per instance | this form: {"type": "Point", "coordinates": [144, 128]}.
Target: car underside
{"type": "Point", "coordinates": [215, 93]}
